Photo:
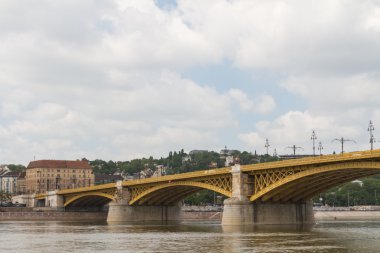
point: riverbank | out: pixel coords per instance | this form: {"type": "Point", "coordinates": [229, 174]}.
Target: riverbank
{"type": "Point", "coordinates": [213, 214]}
{"type": "Point", "coordinates": [346, 215]}
{"type": "Point", "coordinates": [53, 216]}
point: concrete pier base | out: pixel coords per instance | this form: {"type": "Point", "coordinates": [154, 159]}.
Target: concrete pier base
{"type": "Point", "coordinates": [237, 212]}
{"type": "Point", "coordinates": [283, 213]}
{"type": "Point", "coordinates": [241, 212]}
{"type": "Point", "coordinates": [119, 212]}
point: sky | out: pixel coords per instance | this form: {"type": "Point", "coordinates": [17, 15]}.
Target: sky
{"type": "Point", "coordinates": [124, 79]}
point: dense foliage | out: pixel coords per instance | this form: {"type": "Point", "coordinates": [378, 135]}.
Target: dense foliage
{"type": "Point", "coordinates": [16, 167]}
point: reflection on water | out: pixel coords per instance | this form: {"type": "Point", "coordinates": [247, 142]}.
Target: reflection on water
{"type": "Point", "coordinates": [102, 237]}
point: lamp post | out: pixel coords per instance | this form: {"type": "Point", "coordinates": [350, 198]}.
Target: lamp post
{"type": "Point", "coordinates": [342, 141]}
{"type": "Point", "coordinates": [320, 148]}
{"type": "Point", "coordinates": [313, 138]}
{"type": "Point", "coordinates": [371, 128]}
{"type": "Point", "coordinates": [294, 148]}
{"type": "Point", "coordinates": [267, 145]}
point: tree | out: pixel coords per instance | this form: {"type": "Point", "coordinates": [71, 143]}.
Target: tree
{"type": "Point", "coordinates": [16, 167]}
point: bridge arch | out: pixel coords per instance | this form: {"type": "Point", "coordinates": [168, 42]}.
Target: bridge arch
{"type": "Point", "coordinates": [306, 184]}
{"type": "Point", "coordinates": [89, 198]}
{"type": "Point", "coordinates": [158, 195]}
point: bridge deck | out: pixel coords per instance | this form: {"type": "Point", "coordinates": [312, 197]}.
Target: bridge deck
{"type": "Point", "coordinates": [373, 155]}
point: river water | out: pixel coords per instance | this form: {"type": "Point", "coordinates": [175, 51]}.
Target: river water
{"type": "Point", "coordinates": [46, 237]}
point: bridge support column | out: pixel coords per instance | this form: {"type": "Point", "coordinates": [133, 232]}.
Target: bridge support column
{"type": "Point", "coordinates": [126, 213]}
{"type": "Point", "coordinates": [121, 211]}
{"type": "Point", "coordinates": [54, 200]}
{"type": "Point", "coordinates": [283, 213]}
{"type": "Point", "coordinates": [238, 210]}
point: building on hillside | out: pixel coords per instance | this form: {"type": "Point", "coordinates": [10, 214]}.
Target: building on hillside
{"type": "Point", "coordinates": [213, 165]}
{"type": "Point", "coordinates": [228, 152]}
{"type": "Point", "coordinates": [49, 175]}
{"type": "Point", "coordinates": [106, 179]}
{"type": "Point", "coordinates": [160, 171]}
{"type": "Point", "coordinates": [8, 182]}
{"type": "Point", "coordinates": [3, 170]}
{"type": "Point", "coordinates": [194, 152]}
{"type": "Point", "coordinates": [21, 183]}
{"type": "Point", "coordinates": [229, 161]}
{"type": "Point", "coordinates": [186, 158]}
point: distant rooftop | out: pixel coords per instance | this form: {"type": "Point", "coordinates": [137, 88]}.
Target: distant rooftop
{"type": "Point", "coordinates": [59, 164]}
{"type": "Point", "coordinates": [11, 174]}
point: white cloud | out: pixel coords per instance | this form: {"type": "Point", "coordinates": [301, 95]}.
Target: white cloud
{"type": "Point", "coordinates": [103, 79]}
{"type": "Point", "coordinates": [295, 128]}
{"type": "Point", "coordinates": [262, 103]}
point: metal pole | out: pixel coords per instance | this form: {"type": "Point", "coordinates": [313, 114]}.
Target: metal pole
{"type": "Point", "coordinates": [371, 128]}
{"type": "Point", "coordinates": [313, 138]}
{"type": "Point", "coordinates": [342, 141]}
{"type": "Point", "coordinates": [267, 145]}
{"type": "Point", "coordinates": [320, 147]}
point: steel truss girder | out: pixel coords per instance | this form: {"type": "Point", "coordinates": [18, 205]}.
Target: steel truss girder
{"type": "Point", "coordinates": [221, 184]}
{"type": "Point", "coordinates": [310, 171]}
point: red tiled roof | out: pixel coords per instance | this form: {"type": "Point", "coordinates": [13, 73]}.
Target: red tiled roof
{"type": "Point", "coordinates": [59, 164]}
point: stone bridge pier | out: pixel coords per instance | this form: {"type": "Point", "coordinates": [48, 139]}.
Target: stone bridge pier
{"type": "Point", "coordinates": [120, 211]}
{"type": "Point", "coordinates": [238, 210]}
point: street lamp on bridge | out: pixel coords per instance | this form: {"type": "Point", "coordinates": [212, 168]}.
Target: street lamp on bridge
{"type": "Point", "coordinates": [267, 145]}
{"type": "Point", "coordinates": [294, 148]}
{"type": "Point", "coordinates": [371, 128]}
{"type": "Point", "coordinates": [320, 148]}
{"type": "Point", "coordinates": [342, 141]}
{"type": "Point", "coordinates": [313, 138]}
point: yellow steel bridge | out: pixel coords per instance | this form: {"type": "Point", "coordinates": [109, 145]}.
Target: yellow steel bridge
{"type": "Point", "coordinates": [283, 182]}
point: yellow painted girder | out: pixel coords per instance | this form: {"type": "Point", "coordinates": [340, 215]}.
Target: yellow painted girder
{"type": "Point", "coordinates": [313, 192]}
{"type": "Point", "coordinates": [306, 187]}
{"type": "Point", "coordinates": [95, 194]}
{"type": "Point", "coordinates": [183, 176]}
{"type": "Point", "coordinates": [362, 155]}
{"type": "Point", "coordinates": [179, 183]}
{"type": "Point", "coordinates": [40, 196]}
{"type": "Point", "coordinates": [179, 197]}
{"type": "Point", "coordinates": [87, 189]}
{"type": "Point", "coordinates": [315, 171]}
{"type": "Point", "coordinates": [301, 185]}
{"type": "Point", "coordinates": [278, 193]}
{"type": "Point", "coordinates": [160, 197]}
